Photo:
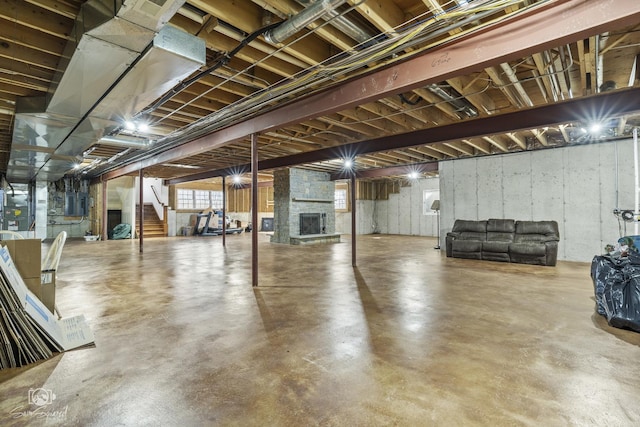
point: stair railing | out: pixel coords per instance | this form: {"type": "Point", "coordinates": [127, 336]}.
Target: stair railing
{"type": "Point", "coordinates": [161, 209]}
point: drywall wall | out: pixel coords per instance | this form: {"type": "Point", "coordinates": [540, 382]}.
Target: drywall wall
{"type": "Point", "coordinates": [575, 186]}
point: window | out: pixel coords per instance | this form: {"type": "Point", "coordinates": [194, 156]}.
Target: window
{"type": "Point", "coordinates": [199, 199]}
{"type": "Point", "coordinates": [428, 197]}
{"type": "Point", "coordinates": [185, 199]}
{"type": "Point", "coordinates": [202, 199]}
{"type": "Point", "coordinates": [216, 199]}
{"type": "Point", "coordinates": [340, 199]}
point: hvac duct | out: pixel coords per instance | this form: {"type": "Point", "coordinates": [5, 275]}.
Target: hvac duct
{"type": "Point", "coordinates": [459, 104]}
{"type": "Point", "coordinates": [301, 20]}
{"type": "Point", "coordinates": [103, 75]}
{"type": "Point", "coordinates": [124, 141]}
{"type": "Point", "coordinates": [343, 24]}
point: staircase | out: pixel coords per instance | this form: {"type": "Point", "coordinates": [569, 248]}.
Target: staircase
{"type": "Point", "coordinates": [153, 226]}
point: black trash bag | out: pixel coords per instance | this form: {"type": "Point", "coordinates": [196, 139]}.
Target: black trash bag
{"type": "Point", "coordinates": [605, 269]}
{"type": "Point", "coordinates": [621, 299]}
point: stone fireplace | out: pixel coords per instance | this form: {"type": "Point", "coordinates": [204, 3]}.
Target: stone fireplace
{"type": "Point", "coordinates": [312, 223]}
{"type": "Point", "coordinates": [303, 207]}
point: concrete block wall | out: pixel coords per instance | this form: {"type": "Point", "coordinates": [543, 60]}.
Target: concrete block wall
{"type": "Point", "coordinates": [575, 186]}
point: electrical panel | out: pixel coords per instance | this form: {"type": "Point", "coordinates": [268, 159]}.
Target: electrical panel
{"type": "Point", "coordinates": [76, 204]}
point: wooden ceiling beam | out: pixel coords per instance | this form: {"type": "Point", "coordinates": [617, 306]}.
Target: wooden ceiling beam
{"type": "Point", "coordinates": [496, 142]}
{"type": "Point", "coordinates": [13, 32]}
{"type": "Point", "coordinates": [515, 137]}
{"type": "Point", "coordinates": [479, 144]}
{"type": "Point", "coordinates": [461, 147]}
{"type": "Point", "coordinates": [507, 40]}
{"type": "Point", "coordinates": [384, 14]}
{"type": "Point", "coordinates": [428, 151]}
{"type": "Point", "coordinates": [36, 18]}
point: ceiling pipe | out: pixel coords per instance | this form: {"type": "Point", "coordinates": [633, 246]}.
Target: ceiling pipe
{"type": "Point", "coordinates": [121, 141]}
{"type": "Point", "coordinates": [343, 24]}
{"type": "Point", "coordinates": [301, 20]}
{"type": "Point", "coordinates": [511, 75]}
{"type": "Point", "coordinates": [460, 104]}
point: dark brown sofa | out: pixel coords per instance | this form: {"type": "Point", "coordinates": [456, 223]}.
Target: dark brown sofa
{"type": "Point", "coordinates": [506, 240]}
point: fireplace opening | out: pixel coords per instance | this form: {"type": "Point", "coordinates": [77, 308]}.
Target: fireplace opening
{"type": "Point", "coordinates": [312, 223]}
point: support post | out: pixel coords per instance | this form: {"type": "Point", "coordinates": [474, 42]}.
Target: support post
{"type": "Point", "coordinates": [105, 212]}
{"type": "Point", "coordinates": [254, 209]}
{"type": "Point", "coordinates": [224, 212]}
{"type": "Point", "coordinates": [141, 208]}
{"type": "Point", "coordinates": [636, 206]}
{"type": "Point", "coordinates": [353, 219]}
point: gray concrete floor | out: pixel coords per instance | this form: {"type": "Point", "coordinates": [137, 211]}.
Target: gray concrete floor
{"type": "Point", "coordinates": [410, 337]}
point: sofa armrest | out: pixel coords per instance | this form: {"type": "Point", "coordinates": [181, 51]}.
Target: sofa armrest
{"type": "Point", "coordinates": [451, 236]}
{"type": "Point", "coordinates": [552, 252]}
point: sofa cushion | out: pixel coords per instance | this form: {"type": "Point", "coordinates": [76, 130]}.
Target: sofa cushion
{"type": "Point", "coordinates": [496, 256]}
{"type": "Point", "coordinates": [501, 225]}
{"type": "Point", "coordinates": [466, 225]}
{"type": "Point", "coordinates": [491, 246]}
{"type": "Point", "coordinates": [467, 246]}
{"type": "Point", "coordinates": [529, 249]}
{"type": "Point", "coordinates": [548, 228]}
{"type": "Point", "coordinates": [531, 238]}
{"type": "Point", "coordinates": [500, 237]}
{"type": "Point", "coordinates": [471, 235]}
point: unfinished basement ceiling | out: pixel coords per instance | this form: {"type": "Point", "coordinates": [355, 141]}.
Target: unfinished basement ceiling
{"type": "Point", "coordinates": [246, 74]}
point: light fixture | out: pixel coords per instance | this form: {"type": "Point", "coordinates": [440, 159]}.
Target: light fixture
{"type": "Point", "coordinates": [595, 127]}
{"type": "Point", "coordinates": [237, 179]}
{"type": "Point", "coordinates": [134, 126]}
{"type": "Point", "coordinates": [413, 175]}
{"type": "Point", "coordinates": [348, 163]}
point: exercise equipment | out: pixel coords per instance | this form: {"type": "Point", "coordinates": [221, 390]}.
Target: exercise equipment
{"type": "Point", "coordinates": [205, 227]}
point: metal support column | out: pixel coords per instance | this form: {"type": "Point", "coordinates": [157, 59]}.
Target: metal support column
{"type": "Point", "coordinates": [105, 212]}
{"type": "Point", "coordinates": [254, 209]}
{"type": "Point", "coordinates": [224, 212]}
{"type": "Point", "coordinates": [353, 219]}
{"type": "Point", "coordinates": [141, 208]}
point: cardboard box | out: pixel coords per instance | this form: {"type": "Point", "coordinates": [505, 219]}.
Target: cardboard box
{"type": "Point", "coordinates": [47, 289]}
{"type": "Point", "coordinates": [26, 255]}
{"type": "Point", "coordinates": [65, 334]}
{"type": "Point", "coordinates": [34, 285]}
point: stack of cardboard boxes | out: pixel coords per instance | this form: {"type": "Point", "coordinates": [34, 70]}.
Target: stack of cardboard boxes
{"type": "Point", "coordinates": [27, 257]}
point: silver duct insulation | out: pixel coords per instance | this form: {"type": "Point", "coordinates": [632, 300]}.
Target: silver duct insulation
{"type": "Point", "coordinates": [301, 20]}
{"type": "Point", "coordinates": [103, 75]}
{"type": "Point", "coordinates": [460, 104]}
{"type": "Point", "coordinates": [343, 24]}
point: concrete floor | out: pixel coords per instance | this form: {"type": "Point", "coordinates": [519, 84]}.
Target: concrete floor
{"type": "Point", "coordinates": [410, 337]}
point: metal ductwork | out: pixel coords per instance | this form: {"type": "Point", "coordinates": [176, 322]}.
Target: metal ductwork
{"type": "Point", "coordinates": [343, 24]}
{"type": "Point", "coordinates": [459, 103]}
{"type": "Point", "coordinates": [294, 24]}
{"type": "Point", "coordinates": [120, 58]}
